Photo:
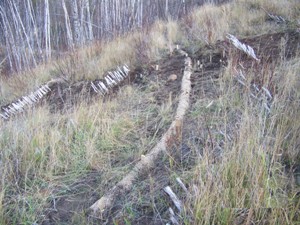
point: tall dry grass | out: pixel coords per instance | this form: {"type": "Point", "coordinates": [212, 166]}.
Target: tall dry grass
{"type": "Point", "coordinates": [41, 151]}
{"type": "Point", "coordinates": [211, 23]}
{"type": "Point", "coordinates": [253, 181]}
{"type": "Point", "coordinates": [91, 62]}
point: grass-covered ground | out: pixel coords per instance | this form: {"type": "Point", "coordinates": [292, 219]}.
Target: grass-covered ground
{"type": "Point", "coordinates": [239, 151]}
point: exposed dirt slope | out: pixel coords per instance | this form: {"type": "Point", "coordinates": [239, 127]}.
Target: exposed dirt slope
{"type": "Point", "coordinates": [208, 60]}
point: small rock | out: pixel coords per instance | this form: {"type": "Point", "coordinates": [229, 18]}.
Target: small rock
{"type": "Point", "coordinates": [172, 77]}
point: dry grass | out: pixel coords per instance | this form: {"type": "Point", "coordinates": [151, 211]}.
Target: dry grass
{"type": "Point", "coordinates": [91, 62]}
{"type": "Point", "coordinates": [253, 171]}
{"type": "Point", "coordinates": [41, 151]}
{"type": "Point", "coordinates": [244, 18]}
{"type": "Point", "coordinates": [107, 137]}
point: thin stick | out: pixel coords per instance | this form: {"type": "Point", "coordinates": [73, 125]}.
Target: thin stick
{"type": "Point", "coordinates": [174, 198]}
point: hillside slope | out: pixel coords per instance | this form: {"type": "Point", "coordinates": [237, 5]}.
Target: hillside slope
{"type": "Point", "coordinates": [236, 151]}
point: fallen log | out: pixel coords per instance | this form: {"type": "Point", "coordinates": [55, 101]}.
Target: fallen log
{"type": "Point", "coordinates": [147, 162]}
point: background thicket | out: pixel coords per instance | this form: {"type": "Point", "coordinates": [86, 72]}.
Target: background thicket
{"type": "Point", "coordinates": [33, 31]}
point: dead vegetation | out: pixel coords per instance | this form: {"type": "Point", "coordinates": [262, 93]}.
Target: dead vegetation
{"type": "Point", "coordinates": [238, 153]}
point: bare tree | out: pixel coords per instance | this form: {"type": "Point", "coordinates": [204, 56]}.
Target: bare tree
{"type": "Point", "coordinates": [47, 31]}
{"type": "Point", "coordinates": [89, 21]}
{"type": "Point", "coordinates": [32, 30]}
{"type": "Point", "coordinates": [18, 47]}
{"type": "Point", "coordinates": [75, 22]}
{"type": "Point", "coordinates": [70, 42]}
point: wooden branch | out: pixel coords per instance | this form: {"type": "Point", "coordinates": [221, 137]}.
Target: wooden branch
{"type": "Point", "coordinates": [174, 198]}
{"type": "Point", "coordinates": [148, 161]}
{"type": "Point", "coordinates": [173, 217]}
{"type": "Point", "coordinates": [102, 86]}
{"type": "Point", "coordinates": [181, 184]}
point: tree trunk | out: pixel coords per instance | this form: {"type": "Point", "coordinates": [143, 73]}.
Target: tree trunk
{"type": "Point", "coordinates": [167, 9]}
{"type": "Point", "coordinates": [70, 42]}
{"type": "Point", "coordinates": [47, 31]}
{"type": "Point", "coordinates": [147, 162]}
{"type": "Point", "coordinates": [75, 23]}
{"type": "Point", "coordinates": [89, 21]}
{"type": "Point", "coordinates": [35, 35]}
